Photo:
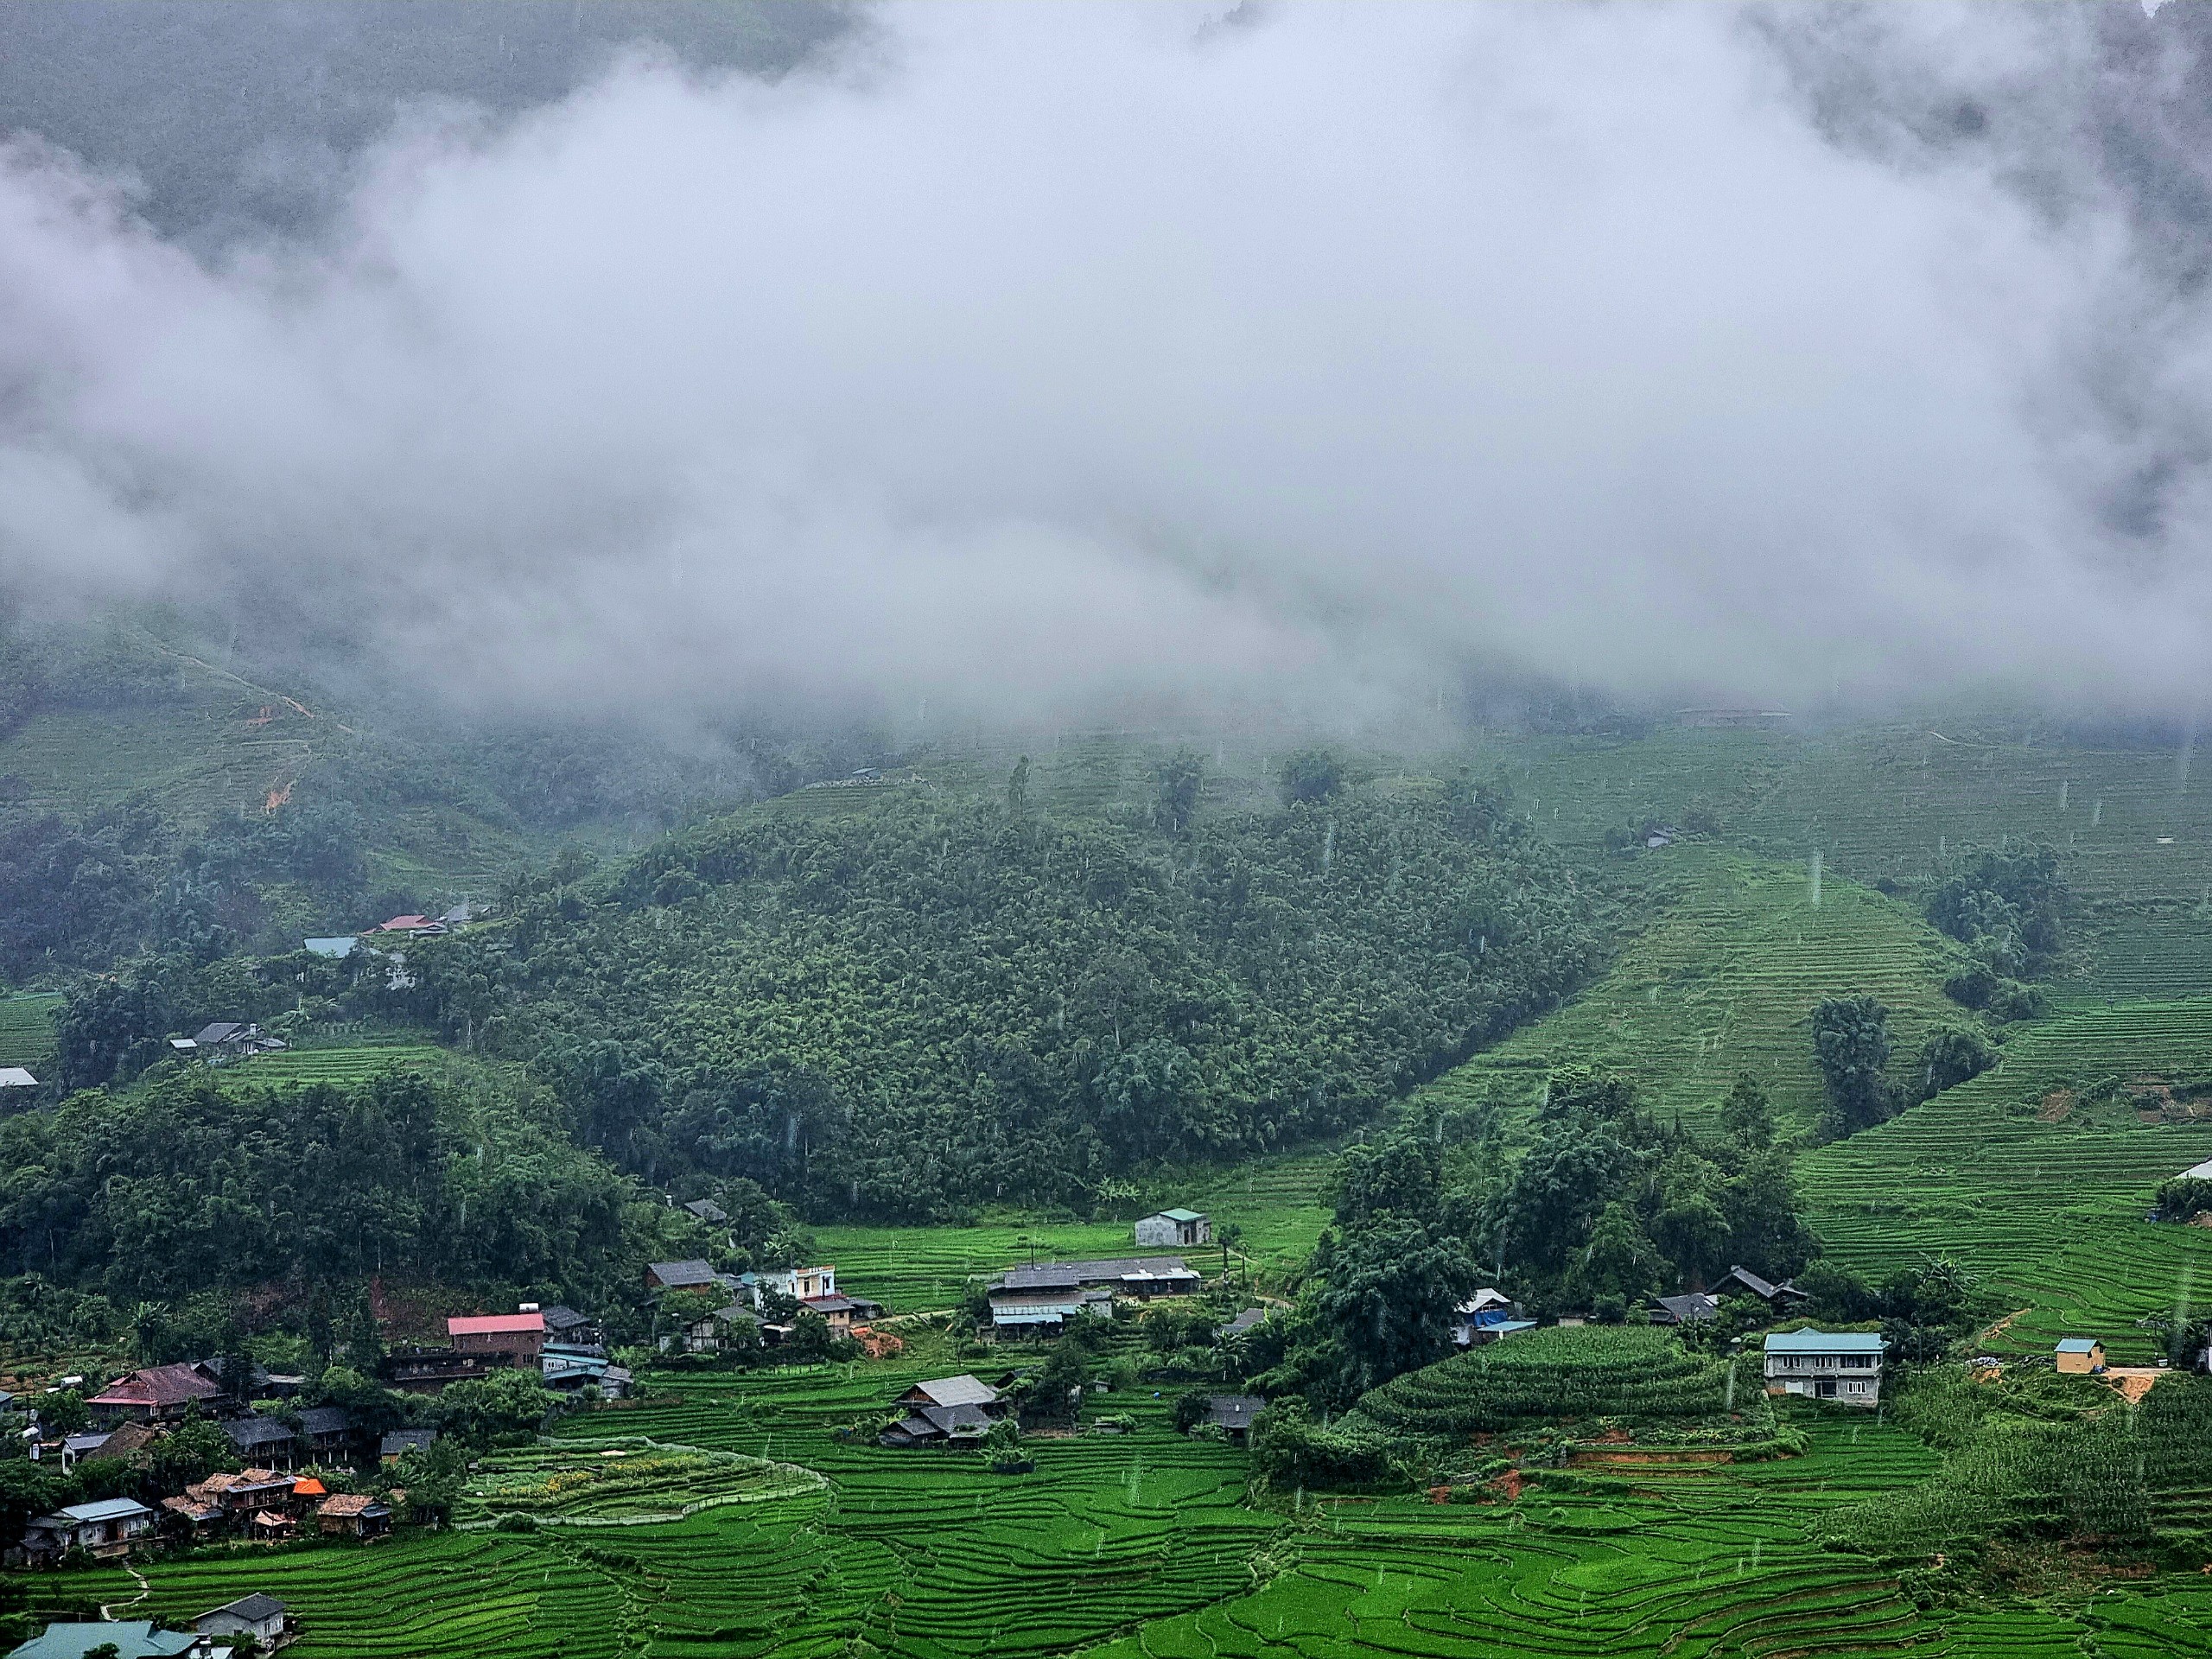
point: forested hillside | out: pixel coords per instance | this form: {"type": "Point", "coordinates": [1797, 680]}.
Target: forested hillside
{"type": "Point", "coordinates": [927, 1007]}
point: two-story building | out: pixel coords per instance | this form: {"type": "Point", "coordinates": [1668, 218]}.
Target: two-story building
{"type": "Point", "coordinates": [520, 1337]}
{"type": "Point", "coordinates": [1845, 1366]}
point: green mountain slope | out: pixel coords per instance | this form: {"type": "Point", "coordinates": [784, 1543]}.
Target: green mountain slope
{"type": "Point", "coordinates": [1722, 981]}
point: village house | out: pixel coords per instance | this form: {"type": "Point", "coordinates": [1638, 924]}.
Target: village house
{"type": "Point", "coordinates": [415, 927]}
{"type": "Point", "coordinates": [1242, 1326]}
{"type": "Point", "coordinates": [1486, 1316]}
{"type": "Point", "coordinates": [229, 1039]}
{"type": "Point", "coordinates": [568, 1328]}
{"type": "Point", "coordinates": [1040, 1299]}
{"type": "Point", "coordinates": [261, 1439]}
{"type": "Point", "coordinates": [520, 1338]}
{"type": "Point", "coordinates": [1781, 1298]}
{"type": "Point", "coordinates": [128, 1638]}
{"type": "Point", "coordinates": [1183, 1227]}
{"type": "Point", "coordinates": [945, 1411]}
{"type": "Point", "coordinates": [264, 1618]}
{"type": "Point", "coordinates": [1842, 1366]}
{"type": "Point", "coordinates": [708, 1212]}
{"type": "Point", "coordinates": [694, 1274]}
{"type": "Point", "coordinates": [107, 1528]}
{"type": "Point", "coordinates": [192, 1517]}
{"type": "Point", "coordinates": [566, 1373]}
{"type": "Point", "coordinates": [355, 1515]}
{"type": "Point", "coordinates": [337, 950]}
{"type": "Point", "coordinates": [2080, 1356]}
{"type": "Point", "coordinates": [158, 1394]}
{"type": "Point", "coordinates": [241, 1495]}
{"type": "Point", "coordinates": [327, 1432]}
{"type": "Point", "coordinates": [400, 1442]}
{"type": "Point", "coordinates": [429, 1370]}
{"type": "Point", "coordinates": [800, 1284]}
{"type": "Point", "coordinates": [1684, 1310]}
{"type": "Point", "coordinates": [17, 1076]}
{"type": "Point", "coordinates": [1232, 1413]}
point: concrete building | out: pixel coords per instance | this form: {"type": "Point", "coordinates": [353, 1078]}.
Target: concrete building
{"type": "Point", "coordinates": [1843, 1366]}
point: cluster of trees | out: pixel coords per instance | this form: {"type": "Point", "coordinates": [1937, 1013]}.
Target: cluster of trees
{"type": "Point", "coordinates": [906, 1015]}
{"type": "Point", "coordinates": [1852, 1047]}
{"type": "Point", "coordinates": [2008, 909]}
{"type": "Point", "coordinates": [1608, 1208]}
{"type": "Point", "coordinates": [182, 1184]}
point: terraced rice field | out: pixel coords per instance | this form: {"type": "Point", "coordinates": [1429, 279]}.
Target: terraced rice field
{"type": "Point", "coordinates": [1278, 1202]}
{"type": "Point", "coordinates": [1887, 801]}
{"type": "Point", "coordinates": [2026, 1179]}
{"type": "Point", "coordinates": [340, 1065]}
{"type": "Point", "coordinates": [27, 1031]}
{"type": "Point", "coordinates": [1724, 980]}
{"type": "Point", "coordinates": [1142, 1547]}
{"type": "Point", "coordinates": [623, 1481]}
{"type": "Point", "coordinates": [1641, 1374]}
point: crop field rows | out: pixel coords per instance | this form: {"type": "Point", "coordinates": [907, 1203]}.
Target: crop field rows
{"type": "Point", "coordinates": [1279, 1203]}
{"type": "Point", "coordinates": [2042, 1196]}
{"type": "Point", "coordinates": [1724, 982]}
{"type": "Point", "coordinates": [1697, 1565]}
{"type": "Point", "coordinates": [2138, 957]}
{"type": "Point", "coordinates": [1120, 1546]}
{"type": "Point", "coordinates": [1884, 802]}
{"type": "Point", "coordinates": [338, 1066]}
{"type": "Point", "coordinates": [1571, 1374]}
{"type": "Point", "coordinates": [26, 1030]}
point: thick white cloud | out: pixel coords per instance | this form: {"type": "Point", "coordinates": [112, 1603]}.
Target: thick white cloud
{"type": "Point", "coordinates": [1026, 356]}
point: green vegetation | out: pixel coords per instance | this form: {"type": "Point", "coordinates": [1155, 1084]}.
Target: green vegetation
{"type": "Point", "coordinates": [1732, 957]}
{"type": "Point", "coordinates": [911, 1015]}
{"type": "Point", "coordinates": [1138, 1545]}
{"type": "Point", "coordinates": [184, 1184]}
{"type": "Point", "coordinates": [2035, 1177]}
{"type": "Point", "coordinates": [27, 1031]}
{"type": "Point", "coordinates": [622, 1483]}
{"type": "Point", "coordinates": [1635, 1376]}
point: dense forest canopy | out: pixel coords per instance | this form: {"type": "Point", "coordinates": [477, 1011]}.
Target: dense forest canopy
{"type": "Point", "coordinates": [931, 1005]}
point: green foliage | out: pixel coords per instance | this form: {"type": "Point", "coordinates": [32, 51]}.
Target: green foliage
{"type": "Point", "coordinates": [1626, 1373]}
{"type": "Point", "coordinates": [2183, 1198]}
{"type": "Point", "coordinates": [508, 1406]}
{"type": "Point", "coordinates": [1747, 1116]}
{"type": "Point", "coordinates": [904, 1014]}
{"type": "Point", "coordinates": [2006, 906]}
{"type": "Point", "coordinates": [1850, 1040]}
{"type": "Point", "coordinates": [1311, 775]}
{"type": "Point", "coordinates": [1952, 1055]}
{"type": "Point", "coordinates": [183, 1185]}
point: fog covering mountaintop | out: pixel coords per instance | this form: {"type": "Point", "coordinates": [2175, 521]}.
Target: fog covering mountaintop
{"type": "Point", "coordinates": [1040, 362]}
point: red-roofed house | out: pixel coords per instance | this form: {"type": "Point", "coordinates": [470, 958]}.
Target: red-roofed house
{"type": "Point", "coordinates": [413, 926]}
{"type": "Point", "coordinates": [519, 1335]}
{"type": "Point", "coordinates": [159, 1394]}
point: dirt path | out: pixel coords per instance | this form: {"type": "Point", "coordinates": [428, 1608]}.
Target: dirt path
{"type": "Point", "coordinates": [2002, 1325]}
{"type": "Point", "coordinates": [2133, 1380]}
{"type": "Point", "coordinates": [108, 1608]}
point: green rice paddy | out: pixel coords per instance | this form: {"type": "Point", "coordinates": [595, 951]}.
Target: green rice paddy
{"type": "Point", "coordinates": [346, 1064]}
{"type": "Point", "coordinates": [1279, 1203]}
{"type": "Point", "coordinates": [1143, 1546]}
{"type": "Point", "coordinates": [26, 1030]}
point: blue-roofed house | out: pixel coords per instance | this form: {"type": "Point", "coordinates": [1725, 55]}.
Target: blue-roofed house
{"type": "Point", "coordinates": [337, 948]}
{"type": "Point", "coordinates": [131, 1638]}
{"type": "Point", "coordinates": [1844, 1366]}
{"type": "Point", "coordinates": [2081, 1355]}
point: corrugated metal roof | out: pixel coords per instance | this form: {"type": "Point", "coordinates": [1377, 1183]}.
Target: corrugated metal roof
{"type": "Point", "coordinates": [2078, 1346]}
{"type": "Point", "coordinates": [1809, 1341]}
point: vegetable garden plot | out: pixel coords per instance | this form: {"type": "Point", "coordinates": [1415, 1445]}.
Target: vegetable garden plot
{"type": "Point", "coordinates": [27, 1031]}
{"type": "Point", "coordinates": [339, 1065]}
{"type": "Point", "coordinates": [621, 1482]}
{"type": "Point", "coordinates": [1724, 980]}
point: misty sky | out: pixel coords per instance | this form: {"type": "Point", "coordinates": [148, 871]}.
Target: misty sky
{"type": "Point", "coordinates": [1023, 357]}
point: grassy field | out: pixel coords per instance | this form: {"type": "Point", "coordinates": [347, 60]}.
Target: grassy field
{"type": "Point", "coordinates": [1279, 1202]}
{"type": "Point", "coordinates": [341, 1064]}
{"type": "Point", "coordinates": [1142, 1546]}
{"type": "Point", "coordinates": [27, 1031]}
{"type": "Point", "coordinates": [1723, 980]}
{"type": "Point", "coordinates": [2035, 1177]}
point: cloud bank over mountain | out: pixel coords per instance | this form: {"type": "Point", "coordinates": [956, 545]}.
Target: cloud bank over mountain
{"type": "Point", "coordinates": [1033, 358]}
